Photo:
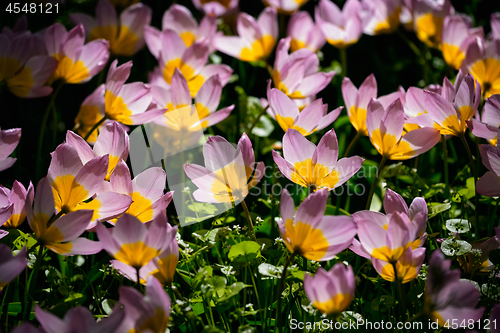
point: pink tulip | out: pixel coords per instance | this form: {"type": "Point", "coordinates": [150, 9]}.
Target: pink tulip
{"type": "Point", "coordinates": [297, 74]}
{"type": "Point", "coordinates": [124, 34]}
{"type": "Point", "coordinates": [229, 172]}
{"type": "Point", "coordinates": [309, 232]}
{"type": "Point", "coordinates": [216, 7]}
{"type": "Point", "coordinates": [305, 33]}
{"type": "Point", "coordinates": [331, 291]}
{"type": "Point", "coordinates": [487, 125]}
{"type": "Point", "coordinates": [482, 60]}
{"type": "Point", "coordinates": [380, 16]}
{"type": "Point", "coordinates": [341, 28]}
{"type": "Point", "coordinates": [495, 25]}
{"type": "Point", "coordinates": [285, 6]}
{"type": "Point", "coordinates": [315, 167]}
{"type": "Point", "coordinates": [25, 66]}
{"type": "Point", "coordinates": [191, 61]}
{"type": "Point", "coordinates": [77, 63]}
{"type": "Point", "coordinates": [285, 111]}
{"type": "Point", "coordinates": [256, 39]}
{"type": "Point", "coordinates": [149, 313]}
{"type": "Point", "coordinates": [17, 197]}
{"type": "Point", "coordinates": [9, 139]}
{"type": "Point", "coordinates": [428, 17]}
{"type": "Point", "coordinates": [112, 141]}
{"type": "Point", "coordinates": [489, 183]}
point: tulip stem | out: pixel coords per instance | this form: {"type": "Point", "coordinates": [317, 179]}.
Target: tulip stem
{"type": "Point", "coordinates": [474, 173]}
{"type": "Point", "coordinates": [351, 145]}
{"type": "Point", "coordinates": [42, 129]}
{"type": "Point", "coordinates": [375, 179]}
{"type": "Point", "coordinates": [257, 119]}
{"type": "Point", "coordinates": [281, 284]}
{"type": "Point", "coordinates": [343, 61]}
{"type": "Point", "coordinates": [138, 282]}
{"type": "Point", "coordinates": [249, 219]}
{"type": "Point", "coordinates": [99, 123]}
{"type": "Point", "coordinates": [28, 298]}
{"type": "Point", "coordinates": [446, 172]}
{"type": "Point", "coordinates": [399, 289]}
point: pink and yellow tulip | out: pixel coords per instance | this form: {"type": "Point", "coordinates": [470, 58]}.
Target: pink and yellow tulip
{"type": "Point", "coordinates": [173, 54]}
{"type": "Point", "coordinates": [305, 33]}
{"type": "Point", "coordinates": [256, 39]}
{"type": "Point", "coordinates": [180, 20]}
{"type": "Point", "coordinates": [356, 101]}
{"type": "Point", "coordinates": [79, 320]}
{"type": "Point", "coordinates": [76, 62]}
{"type": "Point", "coordinates": [380, 16]}
{"type": "Point", "coordinates": [285, 111]}
{"type": "Point", "coordinates": [311, 234]}
{"type": "Point", "coordinates": [407, 266]}
{"type": "Point", "coordinates": [145, 191]}
{"type": "Point", "coordinates": [11, 266]}
{"type": "Point", "coordinates": [297, 74]}
{"type": "Point", "coordinates": [90, 113]}
{"type": "Point", "coordinates": [331, 291]}
{"type": "Point", "coordinates": [447, 297]}
{"type": "Point", "coordinates": [112, 141]}
{"type": "Point", "coordinates": [428, 18]}
{"type": "Point", "coordinates": [17, 197]}
{"type": "Point", "coordinates": [24, 67]}
{"type": "Point", "coordinates": [149, 313]}
{"type": "Point", "coordinates": [9, 139]}
{"type": "Point", "coordinates": [482, 60]}
{"type": "Point", "coordinates": [125, 35]}
{"type": "Point", "coordinates": [386, 131]}
{"type": "Point", "coordinates": [73, 183]}
{"type": "Point", "coordinates": [203, 114]}
{"type": "Point", "coordinates": [216, 7]}
{"type": "Point", "coordinates": [62, 234]}
{"type": "Point", "coordinates": [315, 167]}
{"type": "Point", "coordinates": [456, 105]}
{"type": "Point", "coordinates": [341, 28]}
{"type": "Point", "coordinates": [229, 172]}
{"type": "Point", "coordinates": [456, 38]}
{"type": "Point", "coordinates": [133, 242]}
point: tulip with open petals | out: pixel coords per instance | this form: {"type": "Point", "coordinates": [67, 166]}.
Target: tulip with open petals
{"type": "Point", "coordinates": [305, 33]}
{"type": "Point", "coordinates": [385, 128]}
{"type": "Point", "coordinates": [256, 39]}
{"type": "Point", "coordinates": [203, 114]}
{"type": "Point", "coordinates": [74, 183]}
{"type": "Point", "coordinates": [62, 234]}
{"type": "Point", "coordinates": [76, 62]}
{"type": "Point", "coordinates": [315, 167]}
{"type": "Point", "coordinates": [285, 6]}
{"type": "Point", "coordinates": [79, 320]}
{"type": "Point", "coordinates": [456, 105]}
{"type": "Point", "coordinates": [145, 191]}
{"type": "Point", "coordinates": [483, 61]}
{"type": "Point", "coordinates": [144, 314]}
{"type": "Point", "coordinates": [428, 17]}
{"type": "Point", "coordinates": [457, 36]}
{"type": "Point", "coordinates": [331, 291]}
{"type": "Point", "coordinates": [191, 61]}
{"type": "Point", "coordinates": [112, 141]}
{"type": "Point", "coordinates": [447, 297]}
{"type": "Point", "coordinates": [11, 266]}
{"type": "Point", "coordinates": [311, 234]}
{"type": "Point", "coordinates": [380, 16]}
{"type": "Point", "coordinates": [133, 242]}
{"type": "Point", "coordinates": [216, 7]}
{"type": "Point", "coordinates": [24, 67]}
{"type": "Point", "coordinates": [341, 28]}
{"type": "Point", "coordinates": [313, 117]}
{"type": "Point", "coordinates": [9, 139]}
{"type": "Point", "coordinates": [124, 34]}
{"type": "Point", "coordinates": [229, 172]}
{"type": "Point", "coordinates": [296, 74]}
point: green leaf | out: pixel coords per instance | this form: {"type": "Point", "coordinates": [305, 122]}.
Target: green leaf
{"type": "Point", "coordinates": [455, 247]}
{"type": "Point", "coordinates": [437, 207]}
{"type": "Point", "coordinates": [244, 252]}
{"type": "Point", "coordinates": [198, 308]}
{"type": "Point", "coordinates": [107, 305]}
{"type": "Point", "coordinates": [232, 290]}
{"type": "Point", "coordinates": [458, 225]}
{"type": "Point", "coordinates": [201, 207]}
{"type": "Point", "coordinates": [270, 271]}
{"type": "Point", "coordinates": [263, 128]}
